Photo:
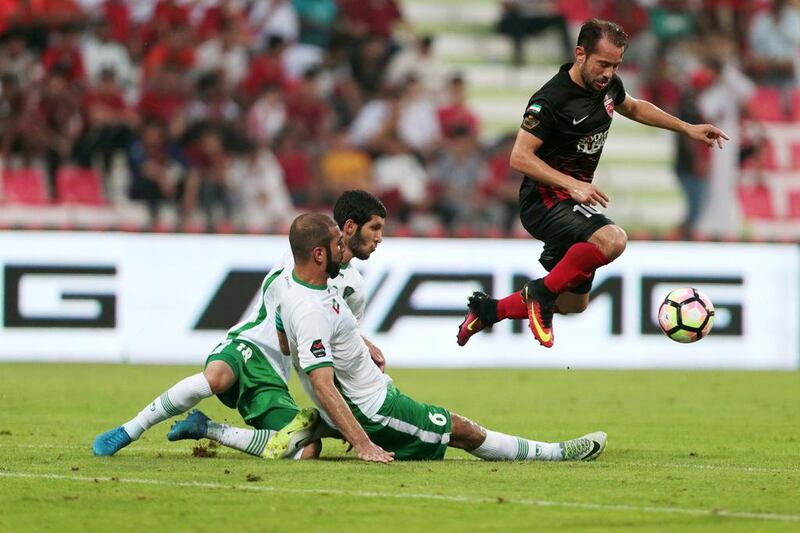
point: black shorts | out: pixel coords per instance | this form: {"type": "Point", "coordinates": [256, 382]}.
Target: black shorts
{"type": "Point", "coordinates": [560, 227]}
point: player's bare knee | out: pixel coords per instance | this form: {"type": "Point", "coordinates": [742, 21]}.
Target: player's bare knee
{"type": "Point", "coordinates": [618, 243]}
{"type": "Point", "coordinates": [611, 240]}
{"type": "Point", "coordinates": [219, 376]}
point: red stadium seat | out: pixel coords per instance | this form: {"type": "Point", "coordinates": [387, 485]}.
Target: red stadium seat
{"type": "Point", "coordinates": [795, 156]}
{"type": "Point", "coordinates": [756, 201]}
{"type": "Point", "coordinates": [767, 105]}
{"type": "Point", "coordinates": [82, 186]}
{"type": "Point", "coordinates": [794, 204]}
{"type": "Point", "coordinates": [25, 186]}
{"type": "Point", "coordinates": [795, 103]}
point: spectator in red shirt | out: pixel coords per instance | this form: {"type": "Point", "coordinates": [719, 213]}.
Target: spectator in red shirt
{"type": "Point", "coordinates": [66, 56]}
{"type": "Point", "coordinates": [168, 15]}
{"type": "Point", "coordinates": [266, 68]}
{"type": "Point", "coordinates": [118, 17]}
{"type": "Point", "coordinates": [165, 100]}
{"type": "Point", "coordinates": [308, 109]}
{"type": "Point", "coordinates": [297, 168]}
{"type": "Point", "coordinates": [365, 17]}
{"type": "Point", "coordinates": [456, 113]}
{"type": "Point", "coordinates": [109, 122]}
{"type": "Point", "coordinates": [176, 51]}
{"type": "Point", "coordinates": [56, 120]}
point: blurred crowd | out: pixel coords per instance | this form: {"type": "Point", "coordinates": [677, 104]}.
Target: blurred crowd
{"type": "Point", "coordinates": [734, 63]}
{"type": "Point", "coordinates": [235, 114]}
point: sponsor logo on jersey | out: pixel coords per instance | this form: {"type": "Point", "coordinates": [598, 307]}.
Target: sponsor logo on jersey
{"type": "Point", "coordinates": [317, 348]}
{"type": "Point", "coordinates": [609, 103]}
{"type": "Point", "coordinates": [576, 121]}
{"type": "Point", "coordinates": [335, 307]}
{"type": "Point", "coordinates": [591, 144]}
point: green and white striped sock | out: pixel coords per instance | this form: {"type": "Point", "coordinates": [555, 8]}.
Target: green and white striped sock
{"type": "Point", "coordinates": [178, 399]}
{"type": "Point", "coordinates": [250, 441]}
{"type": "Point", "coordinates": [502, 447]}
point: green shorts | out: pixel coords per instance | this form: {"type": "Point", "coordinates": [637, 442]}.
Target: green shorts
{"type": "Point", "coordinates": [259, 393]}
{"type": "Point", "coordinates": [412, 430]}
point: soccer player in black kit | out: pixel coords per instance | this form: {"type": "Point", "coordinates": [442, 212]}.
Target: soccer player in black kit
{"type": "Point", "coordinates": [557, 148]}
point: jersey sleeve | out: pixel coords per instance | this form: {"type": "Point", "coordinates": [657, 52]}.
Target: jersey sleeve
{"type": "Point", "coordinates": [538, 118]}
{"type": "Point", "coordinates": [620, 94]}
{"type": "Point", "coordinates": [313, 334]}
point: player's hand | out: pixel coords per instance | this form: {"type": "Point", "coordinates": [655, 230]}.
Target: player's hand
{"type": "Point", "coordinates": [588, 194]}
{"type": "Point", "coordinates": [708, 134]}
{"type": "Point", "coordinates": [373, 453]}
{"type": "Point", "coordinates": [377, 356]}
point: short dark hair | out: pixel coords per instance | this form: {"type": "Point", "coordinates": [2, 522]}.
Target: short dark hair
{"type": "Point", "coordinates": [595, 29]}
{"type": "Point", "coordinates": [309, 231]}
{"type": "Point", "coordinates": [358, 206]}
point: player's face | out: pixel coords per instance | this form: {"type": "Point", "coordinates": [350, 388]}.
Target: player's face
{"type": "Point", "coordinates": [366, 238]}
{"type": "Point", "coordinates": [599, 67]}
{"type": "Point", "coordinates": [333, 253]}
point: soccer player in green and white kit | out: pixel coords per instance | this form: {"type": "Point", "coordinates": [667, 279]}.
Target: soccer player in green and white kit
{"type": "Point", "coordinates": [248, 371]}
{"type": "Point", "coordinates": [334, 365]}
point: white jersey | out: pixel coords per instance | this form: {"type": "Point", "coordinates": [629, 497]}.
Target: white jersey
{"type": "Point", "coordinates": [322, 331]}
{"type": "Point", "coordinates": [349, 284]}
{"type": "Point", "coordinates": [258, 325]}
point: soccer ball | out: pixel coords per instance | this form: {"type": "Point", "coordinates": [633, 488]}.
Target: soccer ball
{"type": "Point", "coordinates": [686, 315]}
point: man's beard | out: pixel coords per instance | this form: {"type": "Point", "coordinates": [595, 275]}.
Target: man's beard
{"type": "Point", "coordinates": [332, 268]}
{"type": "Point", "coordinates": [587, 81]}
{"type": "Point", "coordinates": [357, 245]}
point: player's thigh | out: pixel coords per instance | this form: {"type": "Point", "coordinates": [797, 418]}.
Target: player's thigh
{"type": "Point", "coordinates": [219, 375]}
{"type": "Point", "coordinates": [226, 353]}
{"type": "Point", "coordinates": [259, 393]}
{"type": "Point", "coordinates": [411, 429]}
{"type": "Point", "coordinates": [565, 224]}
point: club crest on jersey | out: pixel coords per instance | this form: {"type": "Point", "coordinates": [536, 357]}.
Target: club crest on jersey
{"type": "Point", "coordinates": [609, 103]}
{"type": "Point", "coordinates": [335, 307]}
{"type": "Point", "coordinates": [317, 348]}
{"type": "Point", "coordinates": [530, 122]}
{"type": "Point", "coordinates": [347, 292]}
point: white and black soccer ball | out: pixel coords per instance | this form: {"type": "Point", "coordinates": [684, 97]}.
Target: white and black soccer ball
{"type": "Point", "coordinates": [686, 315]}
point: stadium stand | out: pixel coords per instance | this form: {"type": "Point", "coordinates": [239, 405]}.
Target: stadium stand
{"type": "Point", "coordinates": [106, 106]}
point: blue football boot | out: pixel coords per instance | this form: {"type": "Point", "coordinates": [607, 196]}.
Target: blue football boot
{"type": "Point", "coordinates": [110, 442]}
{"type": "Point", "coordinates": [194, 426]}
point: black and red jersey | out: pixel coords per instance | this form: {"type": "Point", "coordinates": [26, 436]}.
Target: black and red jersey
{"type": "Point", "coordinates": [573, 124]}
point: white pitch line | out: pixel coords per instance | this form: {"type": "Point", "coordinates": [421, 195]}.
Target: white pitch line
{"type": "Point", "coordinates": [737, 468]}
{"type": "Point", "coordinates": [687, 466]}
{"type": "Point", "coordinates": [423, 496]}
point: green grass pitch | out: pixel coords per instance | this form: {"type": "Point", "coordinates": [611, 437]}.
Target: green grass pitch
{"type": "Point", "coordinates": [687, 451]}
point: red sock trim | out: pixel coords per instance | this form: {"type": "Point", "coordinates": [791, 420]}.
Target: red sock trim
{"type": "Point", "coordinates": [577, 266]}
{"type": "Point", "coordinates": [511, 306]}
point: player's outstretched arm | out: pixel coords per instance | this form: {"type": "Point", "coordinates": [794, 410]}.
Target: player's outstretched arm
{"type": "Point", "coordinates": [332, 402]}
{"type": "Point", "coordinates": [649, 114]}
{"type": "Point", "coordinates": [375, 354]}
{"type": "Point", "coordinates": [525, 160]}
